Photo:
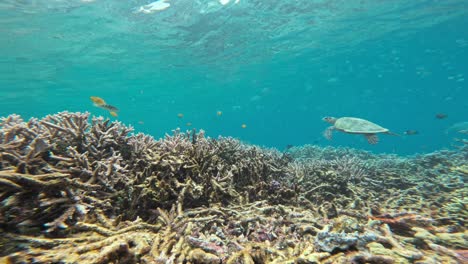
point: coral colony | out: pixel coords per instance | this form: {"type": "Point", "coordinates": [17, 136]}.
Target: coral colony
{"type": "Point", "coordinates": [75, 190]}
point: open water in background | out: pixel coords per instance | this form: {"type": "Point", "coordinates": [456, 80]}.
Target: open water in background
{"type": "Point", "coordinates": [276, 66]}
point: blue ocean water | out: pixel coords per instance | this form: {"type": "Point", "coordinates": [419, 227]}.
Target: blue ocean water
{"type": "Point", "coordinates": [276, 66]}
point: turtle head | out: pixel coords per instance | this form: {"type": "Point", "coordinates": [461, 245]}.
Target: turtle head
{"type": "Point", "coordinates": [329, 119]}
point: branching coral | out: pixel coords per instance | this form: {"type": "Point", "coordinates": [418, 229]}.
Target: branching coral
{"type": "Point", "coordinates": [127, 242]}
{"type": "Point", "coordinates": [58, 168]}
{"type": "Point", "coordinates": [75, 190]}
{"type": "Point", "coordinates": [203, 171]}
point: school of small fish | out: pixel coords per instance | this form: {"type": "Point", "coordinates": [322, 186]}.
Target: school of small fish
{"type": "Point", "coordinates": [99, 102]}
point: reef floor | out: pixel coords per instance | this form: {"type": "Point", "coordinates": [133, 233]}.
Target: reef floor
{"type": "Point", "coordinates": [81, 189]}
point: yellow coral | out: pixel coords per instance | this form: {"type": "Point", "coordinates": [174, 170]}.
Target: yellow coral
{"type": "Point", "coordinates": [199, 256]}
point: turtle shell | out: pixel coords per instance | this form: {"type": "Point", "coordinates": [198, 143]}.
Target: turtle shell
{"type": "Point", "coordinates": [358, 126]}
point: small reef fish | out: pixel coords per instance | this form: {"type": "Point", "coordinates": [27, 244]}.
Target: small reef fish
{"type": "Point", "coordinates": [99, 102]}
{"type": "Point", "coordinates": [244, 126]}
{"type": "Point", "coordinates": [219, 113]}
{"type": "Point", "coordinates": [108, 107]}
{"type": "Point", "coordinates": [188, 124]}
{"type": "Point", "coordinates": [411, 132]}
{"type": "Point", "coordinates": [180, 115]}
{"type": "Point", "coordinates": [440, 116]}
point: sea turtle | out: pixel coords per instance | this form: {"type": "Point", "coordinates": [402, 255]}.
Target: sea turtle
{"type": "Point", "coordinates": [355, 125]}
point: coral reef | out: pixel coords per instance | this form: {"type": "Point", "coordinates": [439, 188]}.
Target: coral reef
{"type": "Point", "coordinates": [75, 189]}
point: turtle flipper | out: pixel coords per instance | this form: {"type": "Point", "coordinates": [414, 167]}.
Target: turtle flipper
{"type": "Point", "coordinates": [328, 133]}
{"type": "Point", "coordinates": [372, 138]}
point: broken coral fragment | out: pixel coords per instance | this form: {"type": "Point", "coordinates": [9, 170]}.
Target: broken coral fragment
{"type": "Point", "coordinates": [330, 241]}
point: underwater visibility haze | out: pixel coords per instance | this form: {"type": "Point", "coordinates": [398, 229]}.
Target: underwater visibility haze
{"type": "Point", "coordinates": [233, 131]}
{"type": "Point", "coordinates": [277, 66]}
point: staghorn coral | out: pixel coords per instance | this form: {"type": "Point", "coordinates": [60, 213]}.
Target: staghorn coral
{"type": "Point", "coordinates": [225, 235]}
{"type": "Point", "coordinates": [329, 241]}
{"type": "Point", "coordinates": [126, 242]}
{"type": "Point", "coordinates": [77, 190]}
{"type": "Point", "coordinates": [57, 169]}
{"type": "Point", "coordinates": [203, 171]}
{"type": "Point", "coordinates": [328, 153]}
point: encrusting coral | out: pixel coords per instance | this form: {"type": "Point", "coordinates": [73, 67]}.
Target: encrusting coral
{"type": "Point", "coordinates": [74, 190]}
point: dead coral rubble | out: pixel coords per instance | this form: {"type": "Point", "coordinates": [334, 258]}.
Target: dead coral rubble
{"type": "Point", "coordinates": [75, 190]}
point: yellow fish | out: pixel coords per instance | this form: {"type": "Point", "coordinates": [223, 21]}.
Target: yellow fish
{"type": "Point", "coordinates": [188, 124]}
{"type": "Point", "coordinates": [97, 100]}
{"type": "Point", "coordinates": [180, 115]}
{"type": "Point", "coordinates": [219, 113]}
{"type": "Point", "coordinates": [244, 126]}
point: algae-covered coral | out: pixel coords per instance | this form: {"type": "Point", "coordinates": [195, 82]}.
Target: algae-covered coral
{"type": "Point", "coordinates": [75, 190]}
